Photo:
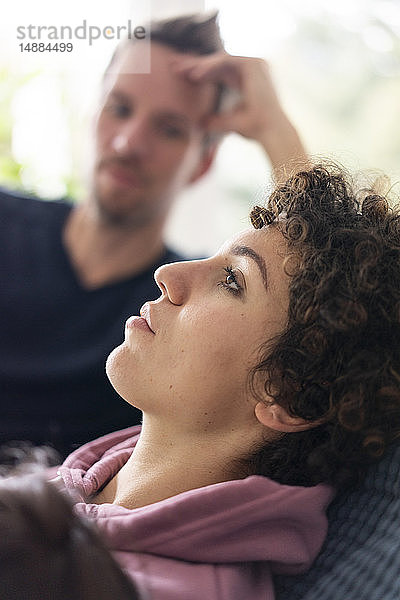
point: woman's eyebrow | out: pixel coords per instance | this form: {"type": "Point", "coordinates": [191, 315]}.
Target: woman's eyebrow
{"type": "Point", "coordinates": [260, 262]}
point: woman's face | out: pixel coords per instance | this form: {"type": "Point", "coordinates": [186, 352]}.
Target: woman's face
{"type": "Point", "coordinates": [191, 368]}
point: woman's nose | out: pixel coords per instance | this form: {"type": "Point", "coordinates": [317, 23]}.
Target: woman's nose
{"type": "Point", "coordinates": [172, 282]}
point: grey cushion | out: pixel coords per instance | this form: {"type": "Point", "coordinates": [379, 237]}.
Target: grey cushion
{"type": "Point", "coordinates": [360, 559]}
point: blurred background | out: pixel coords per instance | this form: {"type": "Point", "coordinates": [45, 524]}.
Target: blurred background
{"type": "Point", "coordinates": [336, 66]}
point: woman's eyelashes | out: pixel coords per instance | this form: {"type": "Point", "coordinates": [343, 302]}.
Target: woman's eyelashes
{"type": "Point", "coordinates": [232, 281]}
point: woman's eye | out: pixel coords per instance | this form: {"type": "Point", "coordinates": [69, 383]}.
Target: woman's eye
{"type": "Point", "coordinates": [231, 282]}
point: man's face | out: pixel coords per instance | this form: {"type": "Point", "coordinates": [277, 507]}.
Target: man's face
{"type": "Point", "coordinates": [149, 137]}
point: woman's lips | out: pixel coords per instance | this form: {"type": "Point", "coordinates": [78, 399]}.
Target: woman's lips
{"type": "Point", "coordinates": [145, 314]}
{"type": "Point", "coordinates": [138, 323]}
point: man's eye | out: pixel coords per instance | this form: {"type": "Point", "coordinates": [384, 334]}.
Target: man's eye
{"type": "Point", "coordinates": [121, 111]}
{"type": "Point", "coordinates": [171, 131]}
{"type": "Point", "coordinates": [231, 282]}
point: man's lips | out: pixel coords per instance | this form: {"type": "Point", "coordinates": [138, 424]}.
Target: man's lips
{"type": "Point", "coordinates": [123, 174]}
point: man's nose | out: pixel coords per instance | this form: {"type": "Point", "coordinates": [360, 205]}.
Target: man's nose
{"type": "Point", "coordinates": [133, 138]}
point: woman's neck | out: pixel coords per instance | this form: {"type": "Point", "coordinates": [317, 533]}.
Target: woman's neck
{"type": "Point", "coordinates": [163, 465]}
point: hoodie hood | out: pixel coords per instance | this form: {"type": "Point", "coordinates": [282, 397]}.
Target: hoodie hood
{"type": "Point", "coordinates": [247, 520]}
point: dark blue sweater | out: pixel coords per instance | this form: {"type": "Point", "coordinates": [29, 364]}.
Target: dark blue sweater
{"type": "Point", "coordinates": [55, 335]}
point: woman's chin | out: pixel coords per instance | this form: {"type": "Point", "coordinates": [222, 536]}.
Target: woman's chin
{"type": "Point", "coordinates": [120, 370]}
{"type": "Point", "coordinates": [116, 368]}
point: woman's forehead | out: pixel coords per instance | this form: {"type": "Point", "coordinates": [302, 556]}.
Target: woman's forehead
{"type": "Point", "coordinates": [261, 240]}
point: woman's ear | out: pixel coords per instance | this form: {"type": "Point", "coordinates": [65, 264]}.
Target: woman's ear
{"type": "Point", "coordinates": [275, 417]}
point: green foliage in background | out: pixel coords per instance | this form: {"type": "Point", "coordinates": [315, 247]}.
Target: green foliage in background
{"type": "Point", "coordinates": [339, 81]}
{"type": "Point", "coordinates": [12, 171]}
{"type": "Point", "coordinates": [9, 168]}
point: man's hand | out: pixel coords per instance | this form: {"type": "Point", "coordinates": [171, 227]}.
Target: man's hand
{"type": "Point", "coordinates": [255, 112]}
{"type": "Point", "coordinates": [257, 108]}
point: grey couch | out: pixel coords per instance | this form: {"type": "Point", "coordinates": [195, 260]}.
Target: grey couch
{"type": "Point", "coordinates": [360, 559]}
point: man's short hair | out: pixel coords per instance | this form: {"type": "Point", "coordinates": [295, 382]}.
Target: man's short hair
{"type": "Point", "coordinates": [196, 34]}
{"type": "Point", "coordinates": [190, 34]}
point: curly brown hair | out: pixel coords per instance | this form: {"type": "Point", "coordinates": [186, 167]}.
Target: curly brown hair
{"type": "Point", "coordinates": [338, 359]}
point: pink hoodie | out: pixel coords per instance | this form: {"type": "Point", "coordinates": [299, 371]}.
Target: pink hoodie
{"type": "Point", "coordinates": [220, 542]}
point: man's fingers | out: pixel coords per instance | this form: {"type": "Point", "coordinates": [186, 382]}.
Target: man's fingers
{"type": "Point", "coordinates": [224, 123]}
{"type": "Point", "coordinates": [212, 69]}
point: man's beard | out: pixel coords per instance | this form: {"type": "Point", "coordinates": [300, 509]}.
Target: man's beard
{"type": "Point", "coordinates": [133, 218]}
{"type": "Point", "coordinates": [130, 213]}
